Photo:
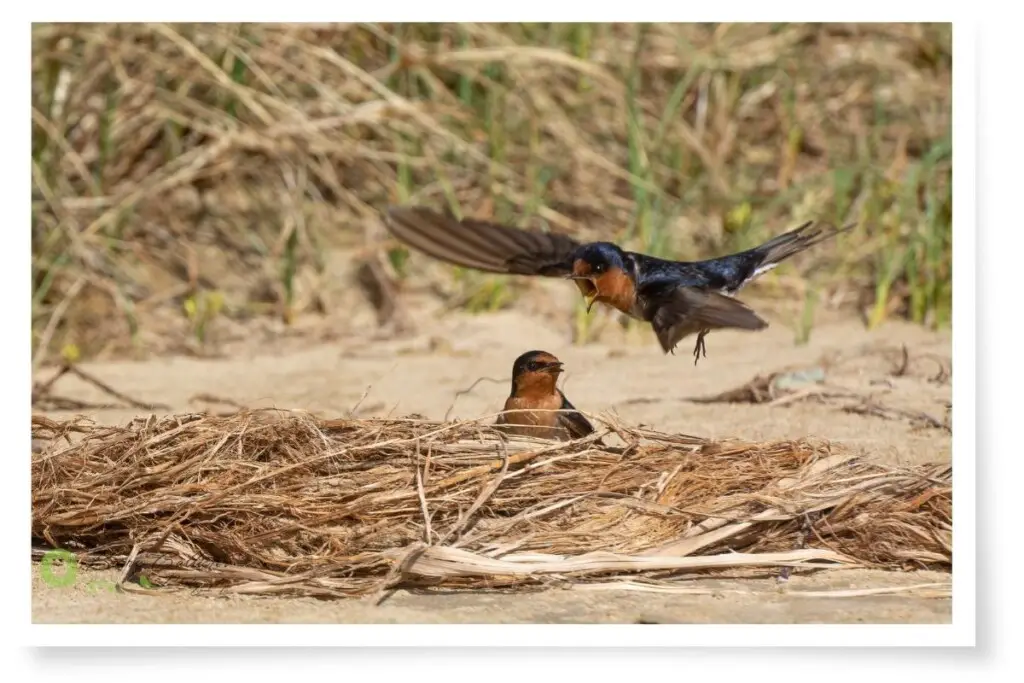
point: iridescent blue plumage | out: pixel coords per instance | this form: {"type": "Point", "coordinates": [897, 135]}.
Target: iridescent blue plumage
{"type": "Point", "coordinates": [677, 298]}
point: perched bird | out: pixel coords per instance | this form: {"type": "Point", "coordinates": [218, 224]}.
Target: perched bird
{"type": "Point", "coordinates": [534, 375]}
{"type": "Point", "coordinates": [678, 298]}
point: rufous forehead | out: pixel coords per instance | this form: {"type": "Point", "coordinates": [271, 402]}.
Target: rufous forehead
{"type": "Point", "coordinates": [581, 267]}
{"type": "Point", "coordinates": [545, 358]}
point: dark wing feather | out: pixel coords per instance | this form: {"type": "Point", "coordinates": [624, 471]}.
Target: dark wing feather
{"type": "Point", "coordinates": [574, 422]}
{"type": "Point", "coordinates": [480, 245]}
{"type": "Point", "coordinates": [732, 272]}
{"type": "Point", "coordinates": [687, 310]}
{"type": "Point", "coordinates": [793, 242]}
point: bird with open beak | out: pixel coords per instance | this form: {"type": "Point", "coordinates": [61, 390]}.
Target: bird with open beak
{"type": "Point", "coordinates": [677, 298]}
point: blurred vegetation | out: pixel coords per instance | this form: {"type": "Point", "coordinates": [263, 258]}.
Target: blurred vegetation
{"type": "Point", "coordinates": [198, 169]}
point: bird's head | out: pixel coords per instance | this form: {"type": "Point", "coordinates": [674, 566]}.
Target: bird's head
{"type": "Point", "coordinates": [536, 369]}
{"type": "Point", "coordinates": [602, 272]}
{"type": "Point", "coordinates": [537, 361]}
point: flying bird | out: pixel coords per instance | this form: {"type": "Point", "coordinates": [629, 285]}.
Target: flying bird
{"type": "Point", "coordinates": [677, 298]}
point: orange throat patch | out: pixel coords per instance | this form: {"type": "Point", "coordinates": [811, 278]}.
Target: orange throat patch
{"type": "Point", "coordinates": [615, 289]}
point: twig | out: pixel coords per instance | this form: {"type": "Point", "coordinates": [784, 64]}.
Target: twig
{"type": "Point", "coordinates": [41, 393]}
{"type": "Point", "coordinates": [43, 389]}
{"type": "Point", "coordinates": [384, 588]}
{"type": "Point", "coordinates": [128, 564]}
{"type": "Point", "coordinates": [106, 388]}
{"type": "Point", "coordinates": [103, 386]}
{"type": "Point", "coordinates": [869, 407]}
{"type": "Point", "coordinates": [355, 406]}
{"type": "Point", "coordinates": [211, 398]}
{"type": "Point", "coordinates": [422, 496]}
{"type": "Point", "coordinates": [463, 392]}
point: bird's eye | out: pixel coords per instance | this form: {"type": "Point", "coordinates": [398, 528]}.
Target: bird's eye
{"type": "Point", "coordinates": [532, 365]}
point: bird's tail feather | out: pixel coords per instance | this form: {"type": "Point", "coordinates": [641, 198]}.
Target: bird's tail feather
{"type": "Point", "coordinates": [778, 249]}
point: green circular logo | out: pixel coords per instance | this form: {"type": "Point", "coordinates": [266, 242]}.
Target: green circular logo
{"type": "Point", "coordinates": [70, 571]}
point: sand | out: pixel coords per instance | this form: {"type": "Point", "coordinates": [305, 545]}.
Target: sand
{"type": "Point", "coordinates": [424, 372]}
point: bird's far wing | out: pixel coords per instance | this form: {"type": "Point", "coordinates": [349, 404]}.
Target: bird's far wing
{"type": "Point", "coordinates": [577, 425]}
{"type": "Point", "coordinates": [681, 311]}
{"type": "Point", "coordinates": [481, 245]}
{"type": "Point", "coordinates": [734, 271]}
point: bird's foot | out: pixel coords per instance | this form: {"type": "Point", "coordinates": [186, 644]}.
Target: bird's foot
{"type": "Point", "coordinates": [699, 348]}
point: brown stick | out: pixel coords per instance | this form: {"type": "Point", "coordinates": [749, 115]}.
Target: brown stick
{"type": "Point", "coordinates": [43, 390]}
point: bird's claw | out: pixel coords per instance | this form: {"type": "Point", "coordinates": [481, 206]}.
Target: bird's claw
{"type": "Point", "coordinates": [699, 348]}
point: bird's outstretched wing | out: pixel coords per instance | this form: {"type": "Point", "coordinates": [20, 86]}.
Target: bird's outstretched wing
{"type": "Point", "coordinates": [678, 312]}
{"type": "Point", "coordinates": [783, 246]}
{"type": "Point", "coordinates": [574, 422]}
{"type": "Point", "coordinates": [730, 273]}
{"type": "Point", "coordinates": [480, 245]}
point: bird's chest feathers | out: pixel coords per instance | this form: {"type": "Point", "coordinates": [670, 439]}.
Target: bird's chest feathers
{"type": "Point", "coordinates": [537, 404]}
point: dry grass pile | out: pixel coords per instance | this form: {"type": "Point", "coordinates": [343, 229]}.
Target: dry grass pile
{"type": "Point", "coordinates": [273, 503]}
{"type": "Point", "coordinates": [188, 175]}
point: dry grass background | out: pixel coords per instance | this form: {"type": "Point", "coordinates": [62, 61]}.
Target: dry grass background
{"type": "Point", "coordinates": [282, 503]}
{"type": "Point", "coordinates": [184, 174]}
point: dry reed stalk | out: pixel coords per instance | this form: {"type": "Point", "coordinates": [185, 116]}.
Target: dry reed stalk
{"type": "Point", "coordinates": [283, 503]}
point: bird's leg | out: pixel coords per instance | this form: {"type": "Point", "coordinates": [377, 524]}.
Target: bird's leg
{"type": "Point", "coordinates": [699, 348]}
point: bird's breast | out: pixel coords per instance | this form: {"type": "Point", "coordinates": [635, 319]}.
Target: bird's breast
{"type": "Point", "coordinates": [616, 289]}
{"type": "Point", "coordinates": [534, 416]}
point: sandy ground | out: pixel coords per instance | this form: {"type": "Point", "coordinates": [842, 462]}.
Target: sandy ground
{"type": "Point", "coordinates": [629, 376]}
